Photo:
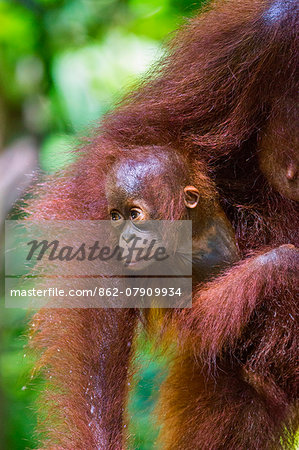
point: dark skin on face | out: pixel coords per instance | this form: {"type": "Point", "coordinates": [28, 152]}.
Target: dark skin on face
{"type": "Point", "coordinates": [130, 206]}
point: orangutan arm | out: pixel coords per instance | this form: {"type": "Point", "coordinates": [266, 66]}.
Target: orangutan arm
{"type": "Point", "coordinates": [259, 294]}
{"type": "Point", "coordinates": [233, 381]}
{"type": "Point", "coordinates": [86, 353]}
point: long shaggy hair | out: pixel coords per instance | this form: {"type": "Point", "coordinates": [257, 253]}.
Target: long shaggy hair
{"type": "Point", "coordinates": [209, 98]}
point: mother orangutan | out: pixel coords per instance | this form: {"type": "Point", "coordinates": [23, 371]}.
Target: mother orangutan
{"type": "Point", "coordinates": [226, 95]}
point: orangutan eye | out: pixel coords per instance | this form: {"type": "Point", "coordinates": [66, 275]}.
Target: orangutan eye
{"type": "Point", "coordinates": [135, 214]}
{"type": "Point", "coordinates": [115, 216]}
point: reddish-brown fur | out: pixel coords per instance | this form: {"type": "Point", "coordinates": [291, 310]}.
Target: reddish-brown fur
{"type": "Point", "coordinates": [232, 382]}
{"type": "Point", "coordinates": [243, 328]}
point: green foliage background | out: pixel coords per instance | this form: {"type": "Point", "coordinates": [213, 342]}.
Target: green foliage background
{"type": "Point", "coordinates": [63, 64]}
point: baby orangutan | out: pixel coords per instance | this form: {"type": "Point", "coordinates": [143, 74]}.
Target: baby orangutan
{"type": "Point", "coordinates": [156, 183]}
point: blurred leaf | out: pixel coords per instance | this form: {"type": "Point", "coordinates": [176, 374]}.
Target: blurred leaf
{"type": "Point", "coordinates": [17, 38]}
{"type": "Point", "coordinates": [89, 79]}
{"type": "Point", "coordinates": [17, 32]}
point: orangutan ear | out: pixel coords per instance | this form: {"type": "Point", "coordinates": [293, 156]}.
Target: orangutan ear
{"type": "Point", "coordinates": [191, 196]}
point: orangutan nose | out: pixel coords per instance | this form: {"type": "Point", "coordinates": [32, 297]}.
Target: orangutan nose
{"type": "Point", "coordinates": [127, 235]}
{"type": "Point", "coordinates": [292, 171]}
{"type": "Point", "coordinates": [127, 238]}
